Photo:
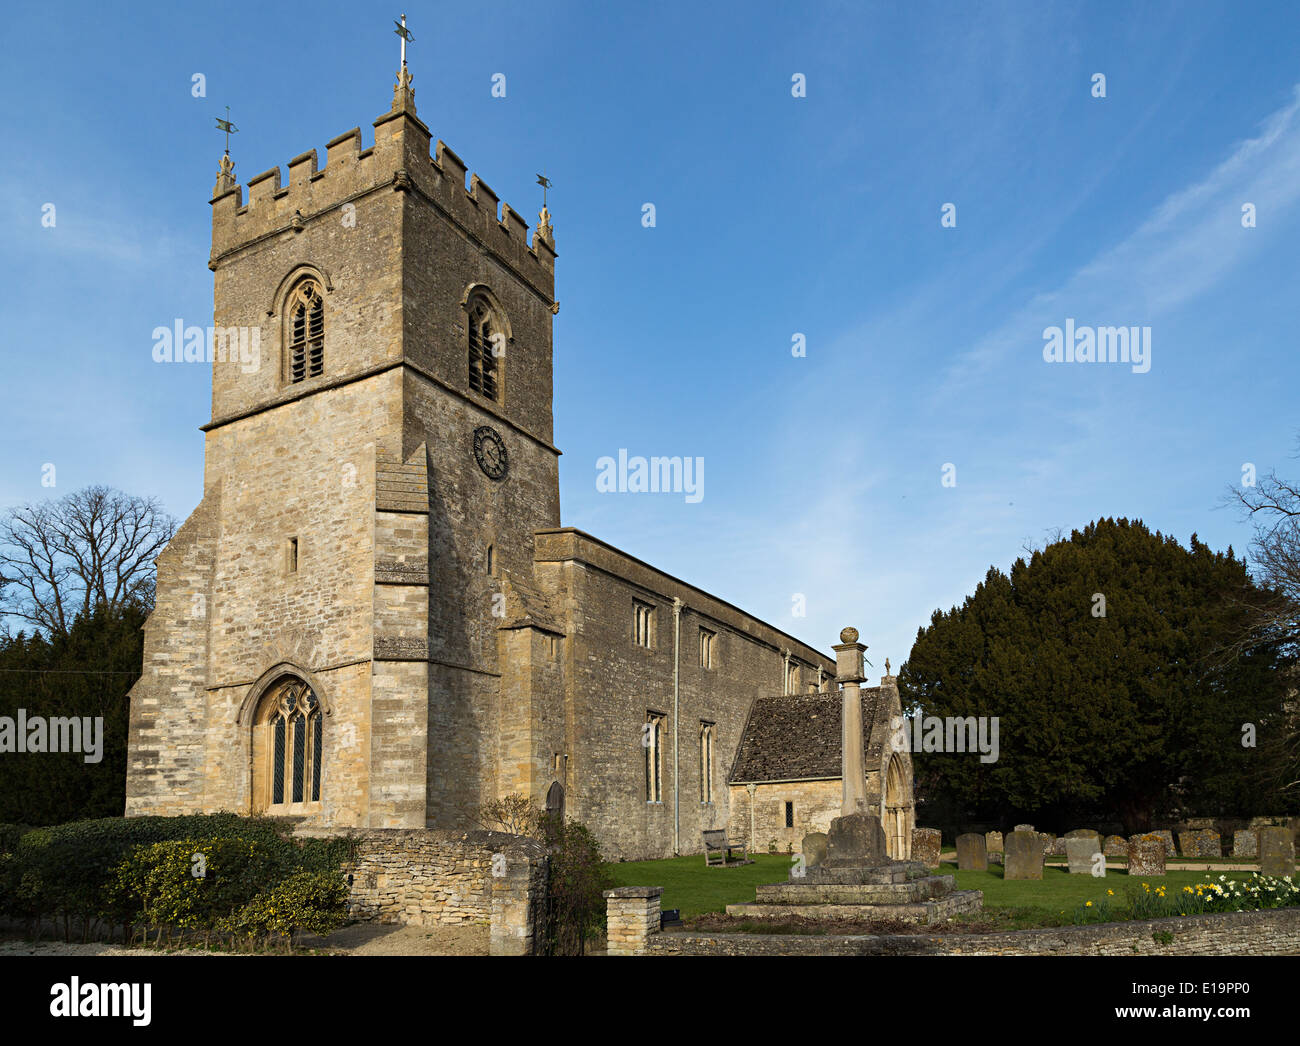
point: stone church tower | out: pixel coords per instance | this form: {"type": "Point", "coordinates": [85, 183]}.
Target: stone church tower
{"type": "Point", "coordinates": [333, 608]}
{"type": "Point", "coordinates": [374, 618]}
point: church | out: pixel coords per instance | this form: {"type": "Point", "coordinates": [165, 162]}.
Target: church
{"type": "Point", "coordinates": [374, 617]}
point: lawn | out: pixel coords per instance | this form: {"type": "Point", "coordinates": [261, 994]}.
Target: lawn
{"type": "Point", "coordinates": [695, 889]}
{"type": "Point", "coordinates": [1059, 891]}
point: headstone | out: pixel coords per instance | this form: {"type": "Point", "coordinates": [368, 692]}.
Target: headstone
{"type": "Point", "coordinates": [1245, 843]}
{"type": "Point", "coordinates": [1024, 828]}
{"type": "Point", "coordinates": [1024, 856]}
{"type": "Point", "coordinates": [1085, 833]}
{"type": "Point", "coordinates": [1146, 855]}
{"type": "Point", "coordinates": [1202, 842]}
{"type": "Point", "coordinates": [1197, 824]}
{"type": "Point", "coordinates": [1055, 846]}
{"type": "Point", "coordinates": [1276, 852]}
{"type": "Point", "coordinates": [925, 846]}
{"type": "Point", "coordinates": [1168, 837]}
{"type": "Point", "coordinates": [993, 842]}
{"type": "Point", "coordinates": [814, 849]}
{"type": "Point", "coordinates": [1116, 846]}
{"type": "Point", "coordinates": [971, 853]}
{"type": "Point", "coordinates": [1080, 852]}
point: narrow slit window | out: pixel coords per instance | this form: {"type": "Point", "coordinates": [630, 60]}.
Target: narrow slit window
{"type": "Point", "coordinates": [789, 815]}
{"type": "Point", "coordinates": [642, 624]}
{"type": "Point", "coordinates": [652, 741]}
{"type": "Point", "coordinates": [706, 762]}
{"type": "Point", "coordinates": [706, 648]}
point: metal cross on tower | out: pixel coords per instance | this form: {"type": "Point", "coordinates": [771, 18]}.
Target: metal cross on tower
{"type": "Point", "coordinates": [228, 127]}
{"type": "Point", "coordinates": [405, 34]}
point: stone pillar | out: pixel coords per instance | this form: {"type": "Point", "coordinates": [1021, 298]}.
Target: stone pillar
{"type": "Point", "coordinates": [518, 883]}
{"type": "Point", "coordinates": [848, 672]}
{"type": "Point", "coordinates": [631, 916]}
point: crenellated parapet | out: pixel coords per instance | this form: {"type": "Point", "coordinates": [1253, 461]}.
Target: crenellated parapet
{"type": "Point", "coordinates": [399, 161]}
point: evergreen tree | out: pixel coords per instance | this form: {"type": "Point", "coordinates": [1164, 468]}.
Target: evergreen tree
{"type": "Point", "coordinates": [1102, 659]}
{"type": "Point", "coordinates": [86, 672]}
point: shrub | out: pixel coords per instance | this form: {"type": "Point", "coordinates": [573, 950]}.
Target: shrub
{"type": "Point", "coordinates": [575, 908]}
{"type": "Point", "coordinates": [9, 836]}
{"type": "Point", "coordinates": [314, 901]}
{"type": "Point", "coordinates": [190, 885]}
{"type": "Point", "coordinates": [70, 871]}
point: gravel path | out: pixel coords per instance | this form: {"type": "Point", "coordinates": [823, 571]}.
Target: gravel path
{"type": "Point", "coordinates": [359, 939]}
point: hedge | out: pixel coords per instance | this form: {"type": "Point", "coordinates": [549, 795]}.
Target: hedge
{"type": "Point", "coordinates": [140, 871]}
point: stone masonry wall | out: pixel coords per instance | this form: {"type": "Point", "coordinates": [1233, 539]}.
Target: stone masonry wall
{"type": "Point", "coordinates": [1275, 932]}
{"type": "Point", "coordinates": [611, 683]}
{"type": "Point", "coordinates": [816, 803]}
{"type": "Point", "coordinates": [422, 877]}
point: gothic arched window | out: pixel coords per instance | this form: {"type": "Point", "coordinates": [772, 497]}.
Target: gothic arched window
{"type": "Point", "coordinates": [306, 333]}
{"type": "Point", "coordinates": [487, 344]}
{"type": "Point", "coordinates": [287, 746]}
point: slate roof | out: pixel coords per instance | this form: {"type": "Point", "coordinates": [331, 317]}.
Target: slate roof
{"type": "Point", "coordinates": [796, 737]}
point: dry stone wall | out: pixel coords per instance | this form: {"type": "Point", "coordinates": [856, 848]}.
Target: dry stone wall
{"type": "Point", "coordinates": [422, 877]}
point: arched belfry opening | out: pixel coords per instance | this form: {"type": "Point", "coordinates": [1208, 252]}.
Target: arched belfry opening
{"type": "Point", "coordinates": [288, 747]}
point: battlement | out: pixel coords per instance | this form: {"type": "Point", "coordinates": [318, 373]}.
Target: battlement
{"type": "Point", "coordinates": [399, 161]}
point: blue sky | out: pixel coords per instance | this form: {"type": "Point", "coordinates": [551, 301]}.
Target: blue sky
{"type": "Point", "coordinates": [775, 215]}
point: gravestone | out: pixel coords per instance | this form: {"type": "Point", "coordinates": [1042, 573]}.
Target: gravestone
{"type": "Point", "coordinates": [1024, 856]}
{"type": "Point", "coordinates": [971, 853]}
{"type": "Point", "coordinates": [1168, 837]}
{"type": "Point", "coordinates": [1116, 846]}
{"type": "Point", "coordinates": [1080, 851]}
{"type": "Point", "coordinates": [814, 849]}
{"type": "Point", "coordinates": [993, 842]}
{"type": "Point", "coordinates": [1055, 846]}
{"type": "Point", "coordinates": [1085, 833]}
{"type": "Point", "coordinates": [925, 846]}
{"type": "Point", "coordinates": [1276, 852]}
{"type": "Point", "coordinates": [1245, 843]}
{"type": "Point", "coordinates": [1024, 828]}
{"type": "Point", "coordinates": [1202, 842]}
{"type": "Point", "coordinates": [1146, 855]}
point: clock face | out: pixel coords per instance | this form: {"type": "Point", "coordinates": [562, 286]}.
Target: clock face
{"type": "Point", "coordinates": [490, 452]}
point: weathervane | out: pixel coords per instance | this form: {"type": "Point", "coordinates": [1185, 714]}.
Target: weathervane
{"type": "Point", "coordinates": [405, 34]}
{"type": "Point", "coordinates": [544, 228]}
{"type": "Point", "coordinates": [228, 127]}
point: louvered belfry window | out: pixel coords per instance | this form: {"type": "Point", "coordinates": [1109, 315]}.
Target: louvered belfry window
{"type": "Point", "coordinates": [484, 333]}
{"type": "Point", "coordinates": [306, 332]}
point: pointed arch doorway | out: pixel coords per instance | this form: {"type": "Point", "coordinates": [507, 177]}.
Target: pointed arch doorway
{"type": "Point", "coordinates": [555, 801]}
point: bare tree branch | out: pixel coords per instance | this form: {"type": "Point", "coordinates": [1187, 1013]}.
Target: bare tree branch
{"type": "Point", "coordinates": [92, 549]}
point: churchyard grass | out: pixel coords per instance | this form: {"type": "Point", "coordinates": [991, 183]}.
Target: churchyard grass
{"type": "Point", "coordinates": [1059, 898]}
{"type": "Point", "coordinates": [693, 888]}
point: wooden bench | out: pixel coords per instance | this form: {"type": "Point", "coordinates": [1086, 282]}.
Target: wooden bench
{"type": "Point", "coordinates": [717, 851]}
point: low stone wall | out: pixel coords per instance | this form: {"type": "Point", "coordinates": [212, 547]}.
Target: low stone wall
{"type": "Point", "coordinates": [420, 876]}
{"type": "Point", "coordinates": [1274, 932]}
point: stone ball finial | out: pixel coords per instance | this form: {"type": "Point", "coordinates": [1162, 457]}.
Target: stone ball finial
{"type": "Point", "coordinates": [849, 635]}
